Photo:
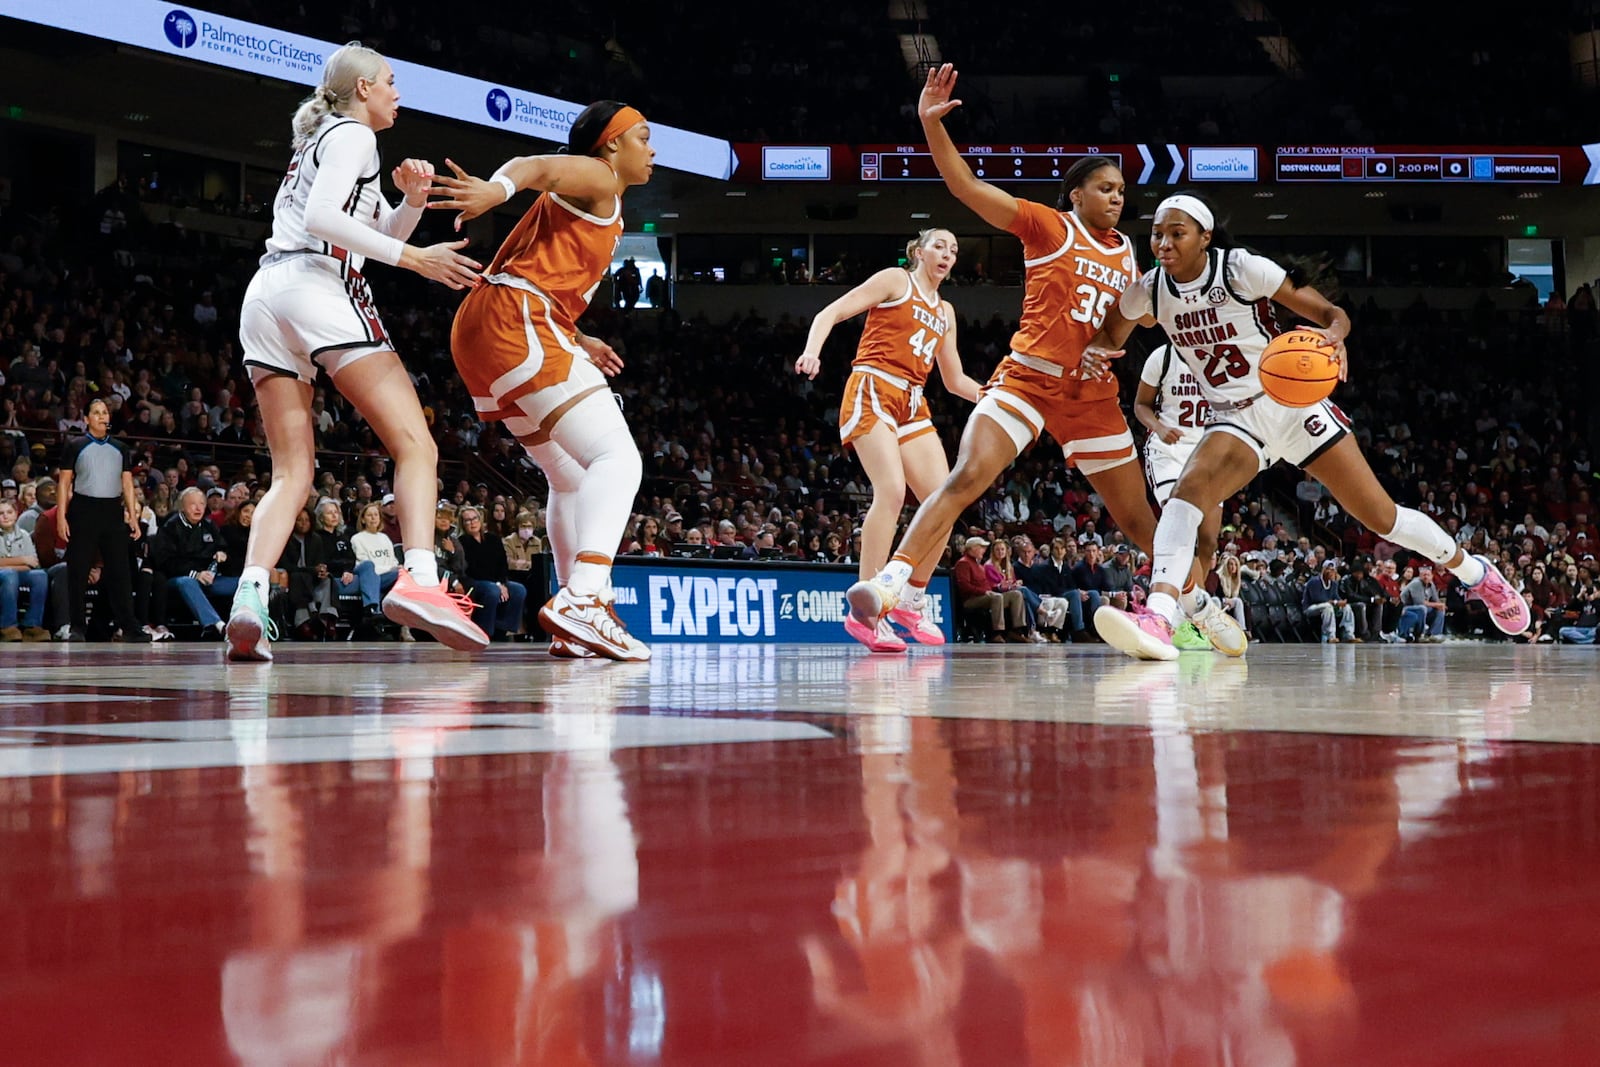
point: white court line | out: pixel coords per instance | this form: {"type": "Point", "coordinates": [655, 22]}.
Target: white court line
{"type": "Point", "coordinates": [318, 739]}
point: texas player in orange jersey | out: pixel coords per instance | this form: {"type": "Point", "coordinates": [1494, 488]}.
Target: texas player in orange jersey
{"type": "Point", "coordinates": [885, 417]}
{"type": "Point", "coordinates": [518, 349]}
{"type": "Point", "coordinates": [1077, 266]}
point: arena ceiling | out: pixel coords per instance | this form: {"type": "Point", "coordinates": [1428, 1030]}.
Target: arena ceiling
{"type": "Point", "coordinates": [95, 87]}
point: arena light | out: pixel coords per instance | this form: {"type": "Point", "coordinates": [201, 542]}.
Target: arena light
{"type": "Point", "coordinates": [251, 48]}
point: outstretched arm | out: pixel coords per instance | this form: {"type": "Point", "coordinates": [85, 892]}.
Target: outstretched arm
{"type": "Point", "coordinates": [884, 285]}
{"type": "Point", "coordinates": [1107, 344]}
{"type": "Point", "coordinates": [994, 205]}
{"type": "Point", "coordinates": [574, 177]}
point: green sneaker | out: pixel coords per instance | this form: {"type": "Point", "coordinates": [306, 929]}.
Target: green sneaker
{"type": "Point", "coordinates": [250, 629]}
{"type": "Point", "coordinates": [1188, 638]}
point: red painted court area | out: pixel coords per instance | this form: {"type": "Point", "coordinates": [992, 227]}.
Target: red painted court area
{"type": "Point", "coordinates": [786, 855]}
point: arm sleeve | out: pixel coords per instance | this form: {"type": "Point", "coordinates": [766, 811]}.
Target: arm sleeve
{"type": "Point", "coordinates": [345, 152]}
{"type": "Point", "coordinates": [399, 221]}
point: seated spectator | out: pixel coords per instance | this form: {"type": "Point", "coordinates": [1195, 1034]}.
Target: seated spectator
{"type": "Point", "coordinates": [1321, 602]}
{"type": "Point", "coordinates": [499, 598]}
{"type": "Point", "coordinates": [338, 567]}
{"type": "Point", "coordinates": [1226, 583]}
{"type": "Point", "coordinates": [1118, 574]}
{"type": "Point", "coordinates": [19, 569]}
{"type": "Point", "coordinates": [522, 545]}
{"type": "Point", "coordinates": [447, 551]}
{"type": "Point", "coordinates": [377, 563]}
{"type": "Point", "coordinates": [1004, 611]}
{"type": "Point", "coordinates": [1002, 575]}
{"type": "Point", "coordinates": [304, 566]}
{"type": "Point", "coordinates": [1421, 607]}
{"type": "Point", "coordinates": [186, 558]}
{"type": "Point", "coordinates": [1044, 583]}
{"type": "Point", "coordinates": [1365, 597]}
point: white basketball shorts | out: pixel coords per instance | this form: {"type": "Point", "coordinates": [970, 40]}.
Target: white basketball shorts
{"type": "Point", "coordinates": [1295, 435]}
{"type": "Point", "coordinates": [300, 316]}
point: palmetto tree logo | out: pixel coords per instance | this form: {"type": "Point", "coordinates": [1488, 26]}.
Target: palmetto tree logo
{"type": "Point", "coordinates": [180, 28]}
{"type": "Point", "coordinates": [499, 104]}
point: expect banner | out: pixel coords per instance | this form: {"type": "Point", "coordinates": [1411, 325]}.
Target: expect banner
{"type": "Point", "coordinates": [750, 601]}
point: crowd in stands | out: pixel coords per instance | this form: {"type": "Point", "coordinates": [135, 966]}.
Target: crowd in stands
{"type": "Point", "coordinates": [1470, 415]}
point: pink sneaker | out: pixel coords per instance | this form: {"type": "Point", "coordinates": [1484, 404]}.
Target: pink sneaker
{"type": "Point", "coordinates": [880, 638]}
{"type": "Point", "coordinates": [445, 615]}
{"type": "Point", "coordinates": [916, 626]}
{"type": "Point", "coordinates": [1147, 636]}
{"type": "Point", "coordinates": [870, 601]}
{"type": "Point", "coordinates": [1506, 606]}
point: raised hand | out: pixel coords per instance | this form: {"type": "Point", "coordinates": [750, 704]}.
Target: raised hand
{"type": "Point", "coordinates": [935, 103]}
{"type": "Point", "coordinates": [465, 194]}
{"type": "Point", "coordinates": [414, 178]}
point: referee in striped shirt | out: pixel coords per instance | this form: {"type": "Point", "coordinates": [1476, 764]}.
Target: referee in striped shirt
{"type": "Point", "coordinates": [96, 516]}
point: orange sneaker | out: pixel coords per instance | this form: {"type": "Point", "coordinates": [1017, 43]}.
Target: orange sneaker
{"type": "Point", "coordinates": [590, 622]}
{"type": "Point", "coordinates": [445, 615]}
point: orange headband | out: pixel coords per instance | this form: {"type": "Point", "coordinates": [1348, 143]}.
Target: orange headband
{"type": "Point", "coordinates": [620, 123]}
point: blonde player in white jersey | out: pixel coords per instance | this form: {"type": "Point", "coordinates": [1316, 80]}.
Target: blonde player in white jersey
{"type": "Point", "coordinates": [1171, 406]}
{"type": "Point", "coordinates": [308, 309]}
{"type": "Point", "coordinates": [1214, 301]}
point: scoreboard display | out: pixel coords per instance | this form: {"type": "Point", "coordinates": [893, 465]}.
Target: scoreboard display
{"type": "Point", "coordinates": [1158, 164]}
{"type": "Point", "coordinates": [993, 163]}
{"type": "Point", "coordinates": [1332, 163]}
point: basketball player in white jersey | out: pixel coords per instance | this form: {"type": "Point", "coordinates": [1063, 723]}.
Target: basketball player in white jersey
{"type": "Point", "coordinates": [1215, 303]}
{"type": "Point", "coordinates": [308, 309]}
{"type": "Point", "coordinates": [1170, 405]}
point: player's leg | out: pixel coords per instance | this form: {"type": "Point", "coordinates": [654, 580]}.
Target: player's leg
{"type": "Point", "coordinates": [922, 457]}
{"type": "Point", "coordinates": [285, 404]}
{"type": "Point", "coordinates": [1221, 465]}
{"type": "Point", "coordinates": [381, 390]}
{"type": "Point", "coordinates": [1349, 478]}
{"type": "Point", "coordinates": [988, 446]}
{"type": "Point", "coordinates": [592, 438]}
{"type": "Point", "coordinates": [879, 452]}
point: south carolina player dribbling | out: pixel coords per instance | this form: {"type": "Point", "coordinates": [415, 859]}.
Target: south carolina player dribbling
{"type": "Point", "coordinates": [1077, 264]}
{"type": "Point", "coordinates": [308, 309]}
{"type": "Point", "coordinates": [517, 347]}
{"type": "Point", "coordinates": [1170, 405]}
{"type": "Point", "coordinates": [885, 416]}
{"type": "Point", "coordinates": [1214, 302]}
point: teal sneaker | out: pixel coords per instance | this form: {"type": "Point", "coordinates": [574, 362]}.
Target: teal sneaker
{"type": "Point", "coordinates": [250, 629]}
{"type": "Point", "coordinates": [1188, 638]}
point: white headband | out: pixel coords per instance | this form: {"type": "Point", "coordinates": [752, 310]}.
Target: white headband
{"type": "Point", "coordinates": [1193, 207]}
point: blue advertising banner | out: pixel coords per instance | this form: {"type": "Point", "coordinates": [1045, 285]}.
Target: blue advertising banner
{"type": "Point", "coordinates": [224, 41]}
{"type": "Point", "coordinates": [720, 601]}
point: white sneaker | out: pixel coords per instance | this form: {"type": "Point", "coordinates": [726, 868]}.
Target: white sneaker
{"type": "Point", "coordinates": [249, 629]}
{"type": "Point", "coordinates": [1220, 628]}
{"type": "Point", "coordinates": [591, 622]}
{"type": "Point", "coordinates": [871, 600]}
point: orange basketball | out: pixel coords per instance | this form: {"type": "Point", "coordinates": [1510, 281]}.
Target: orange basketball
{"type": "Point", "coordinates": [1298, 369]}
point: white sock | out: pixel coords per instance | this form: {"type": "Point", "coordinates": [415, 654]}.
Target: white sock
{"type": "Point", "coordinates": [913, 597]}
{"type": "Point", "coordinates": [1163, 605]}
{"type": "Point", "coordinates": [895, 574]}
{"type": "Point", "coordinates": [1193, 601]}
{"type": "Point", "coordinates": [422, 565]}
{"type": "Point", "coordinates": [256, 576]}
{"type": "Point", "coordinates": [1470, 570]}
{"type": "Point", "coordinates": [589, 579]}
